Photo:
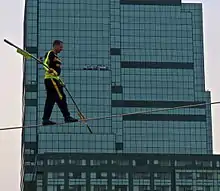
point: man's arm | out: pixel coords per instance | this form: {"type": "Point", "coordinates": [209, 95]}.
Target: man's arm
{"type": "Point", "coordinates": [52, 59]}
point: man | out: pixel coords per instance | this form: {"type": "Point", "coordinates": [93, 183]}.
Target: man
{"type": "Point", "coordinates": [54, 85]}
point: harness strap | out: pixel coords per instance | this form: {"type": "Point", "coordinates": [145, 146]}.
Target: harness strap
{"type": "Point", "coordinates": [57, 89]}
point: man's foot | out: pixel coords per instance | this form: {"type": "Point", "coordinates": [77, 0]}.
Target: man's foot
{"type": "Point", "coordinates": [48, 122]}
{"type": "Point", "coordinates": [70, 119]}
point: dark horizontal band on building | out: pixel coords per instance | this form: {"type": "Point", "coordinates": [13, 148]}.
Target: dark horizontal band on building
{"type": "Point", "coordinates": [32, 50]}
{"type": "Point", "coordinates": [151, 2]}
{"type": "Point", "coordinates": [117, 89]}
{"type": "Point", "coordinates": [139, 157]}
{"type": "Point", "coordinates": [31, 88]}
{"type": "Point", "coordinates": [154, 104]}
{"type": "Point", "coordinates": [31, 102]}
{"type": "Point", "coordinates": [164, 117]}
{"type": "Point", "coordinates": [162, 65]}
{"type": "Point", "coordinates": [115, 51]}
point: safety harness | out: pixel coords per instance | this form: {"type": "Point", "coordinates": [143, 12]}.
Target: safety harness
{"type": "Point", "coordinates": [53, 76]}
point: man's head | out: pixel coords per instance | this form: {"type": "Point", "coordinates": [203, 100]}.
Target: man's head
{"type": "Point", "coordinates": [58, 46]}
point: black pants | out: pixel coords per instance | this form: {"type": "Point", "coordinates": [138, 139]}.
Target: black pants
{"type": "Point", "coordinates": [52, 98]}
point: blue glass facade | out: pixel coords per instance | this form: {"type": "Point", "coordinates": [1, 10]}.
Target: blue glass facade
{"type": "Point", "coordinates": [120, 56]}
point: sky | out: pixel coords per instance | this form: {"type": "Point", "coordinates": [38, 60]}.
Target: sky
{"type": "Point", "coordinates": [11, 19]}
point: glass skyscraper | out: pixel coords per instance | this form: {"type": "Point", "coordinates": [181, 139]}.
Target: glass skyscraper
{"type": "Point", "coordinates": [120, 56]}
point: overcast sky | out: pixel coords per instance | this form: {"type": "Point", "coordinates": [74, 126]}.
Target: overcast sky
{"type": "Point", "coordinates": [11, 20]}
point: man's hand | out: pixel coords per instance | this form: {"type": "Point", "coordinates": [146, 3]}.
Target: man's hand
{"type": "Point", "coordinates": [52, 71]}
{"type": "Point", "coordinates": [56, 60]}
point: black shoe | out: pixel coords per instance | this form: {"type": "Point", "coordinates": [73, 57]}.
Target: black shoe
{"type": "Point", "coordinates": [48, 122]}
{"type": "Point", "coordinates": [70, 119]}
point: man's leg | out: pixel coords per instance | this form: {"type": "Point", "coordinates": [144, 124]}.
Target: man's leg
{"type": "Point", "coordinates": [49, 103]}
{"type": "Point", "coordinates": [62, 104]}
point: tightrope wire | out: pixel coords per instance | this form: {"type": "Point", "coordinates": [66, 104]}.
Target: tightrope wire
{"type": "Point", "coordinates": [117, 115]}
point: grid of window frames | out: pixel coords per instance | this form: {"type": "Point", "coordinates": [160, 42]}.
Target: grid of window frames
{"type": "Point", "coordinates": [68, 143]}
{"type": "Point", "coordinates": [139, 84]}
{"type": "Point", "coordinates": [83, 26]}
{"type": "Point", "coordinates": [153, 37]}
{"type": "Point", "coordinates": [130, 172]}
{"type": "Point", "coordinates": [30, 96]}
{"type": "Point", "coordinates": [115, 51]}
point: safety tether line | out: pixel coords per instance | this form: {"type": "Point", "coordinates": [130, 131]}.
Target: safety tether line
{"type": "Point", "coordinates": [117, 115]}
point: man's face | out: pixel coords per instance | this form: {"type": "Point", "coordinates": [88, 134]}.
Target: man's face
{"type": "Point", "coordinates": [59, 48]}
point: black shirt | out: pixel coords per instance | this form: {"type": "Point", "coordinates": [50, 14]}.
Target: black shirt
{"type": "Point", "coordinates": [54, 64]}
